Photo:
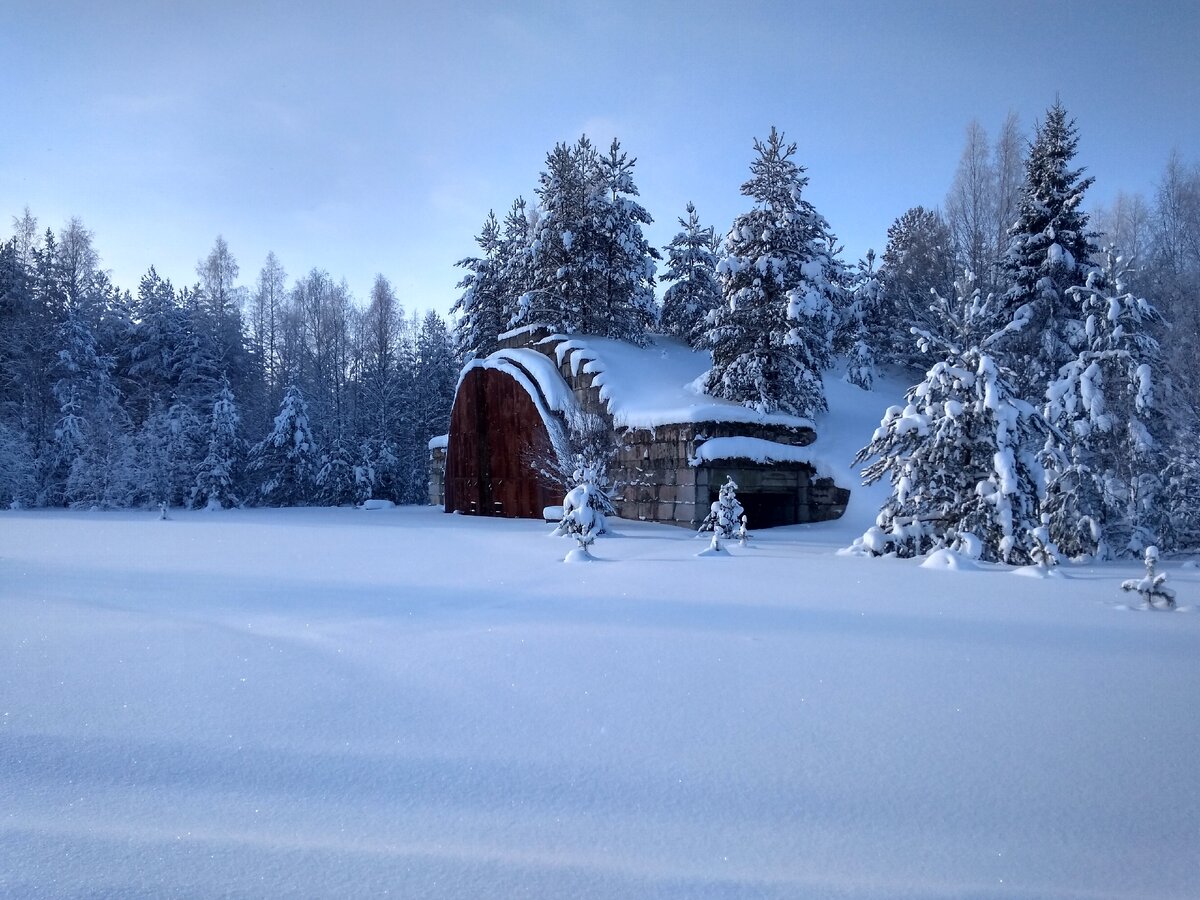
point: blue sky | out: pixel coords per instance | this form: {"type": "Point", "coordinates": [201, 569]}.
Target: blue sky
{"type": "Point", "coordinates": [374, 137]}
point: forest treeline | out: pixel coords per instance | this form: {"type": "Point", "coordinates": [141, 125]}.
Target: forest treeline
{"type": "Point", "coordinates": [210, 394]}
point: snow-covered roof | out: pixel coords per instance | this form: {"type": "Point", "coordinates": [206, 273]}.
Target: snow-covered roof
{"type": "Point", "coordinates": [760, 451]}
{"type": "Point", "coordinates": [658, 384]}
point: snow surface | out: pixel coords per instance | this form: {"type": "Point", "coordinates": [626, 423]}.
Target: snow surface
{"type": "Point", "coordinates": [659, 384]}
{"type": "Point", "coordinates": [321, 703]}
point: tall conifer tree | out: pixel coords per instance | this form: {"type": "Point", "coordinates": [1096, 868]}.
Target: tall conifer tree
{"type": "Point", "coordinates": [692, 270]}
{"type": "Point", "coordinates": [772, 336]}
{"type": "Point", "coordinates": [1049, 252]}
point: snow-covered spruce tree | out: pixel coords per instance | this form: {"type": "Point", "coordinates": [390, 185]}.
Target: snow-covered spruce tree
{"type": "Point", "coordinates": [1181, 493]}
{"type": "Point", "coordinates": [481, 308]}
{"type": "Point", "coordinates": [435, 376]}
{"type": "Point", "coordinates": [626, 308]}
{"type": "Point", "coordinates": [583, 509]}
{"type": "Point", "coordinates": [692, 271]}
{"type": "Point", "coordinates": [170, 447]}
{"type": "Point", "coordinates": [379, 472]}
{"type": "Point", "coordinates": [286, 460]}
{"type": "Point", "coordinates": [365, 473]}
{"type": "Point", "coordinates": [216, 480]}
{"type": "Point", "coordinates": [961, 453]}
{"type": "Point", "coordinates": [856, 334]}
{"type": "Point", "coordinates": [558, 282]}
{"type": "Point", "coordinates": [92, 442]}
{"type": "Point", "coordinates": [771, 337]}
{"type": "Point", "coordinates": [1049, 251]}
{"type": "Point", "coordinates": [18, 473]}
{"type": "Point", "coordinates": [1104, 494]}
{"type": "Point", "coordinates": [382, 402]}
{"type": "Point", "coordinates": [725, 515]}
{"type": "Point", "coordinates": [515, 260]}
{"type": "Point", "coordinates": [337, 478]}
{"type": "Point", "coordinates": [155, 348]}
{"type": "Point", "coordinates": [917, 263]}
{"type": "Point", "coordinates": [587, 267]}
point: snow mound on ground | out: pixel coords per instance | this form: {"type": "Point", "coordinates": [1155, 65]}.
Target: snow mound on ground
{"type": "Point", "coordinates": [578, 554]}
{"type": "Point", "coordinates": [378, 504]}
{"type": "Point", "coordinates": [1038, 572]}
{"type": "Point", "coordinates": [949, 561]}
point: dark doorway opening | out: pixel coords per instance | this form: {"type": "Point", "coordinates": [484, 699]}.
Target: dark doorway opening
{"type": "Point", "coordinates": [766, 509]}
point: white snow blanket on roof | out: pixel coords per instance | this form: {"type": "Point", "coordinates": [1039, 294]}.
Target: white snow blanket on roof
{"type": "Point", "coordinates": [759, 451]}
{"type": "Point", "coordinates": [659, 384]}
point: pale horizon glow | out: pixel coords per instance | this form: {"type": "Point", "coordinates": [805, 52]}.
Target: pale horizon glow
{"type": "Point", "coordinates": [374, 137]}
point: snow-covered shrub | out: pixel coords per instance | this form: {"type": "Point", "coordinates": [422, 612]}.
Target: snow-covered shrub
{"type": "Point", "coordinates": [582, 518]}
{"type": "Point", "coordinates": [725, 515]}
{"type": "Point", "coordinates": [1043, 551]}
{"type": "Point", "coordinates": [1151, 586]}
{"type": "Point", "coordinates": [590, 447]}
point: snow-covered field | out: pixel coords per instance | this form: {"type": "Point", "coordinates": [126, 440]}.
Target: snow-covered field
{"type": "Point", "coordinates": [345, 703]}
{"type": "Point", "coordinates": [342, 703]}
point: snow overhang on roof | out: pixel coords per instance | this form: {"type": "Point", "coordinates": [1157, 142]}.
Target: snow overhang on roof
{"type": "Point", "coordinates": [655, 385]}
{"type": "Point", "coordinates": [758, 450]}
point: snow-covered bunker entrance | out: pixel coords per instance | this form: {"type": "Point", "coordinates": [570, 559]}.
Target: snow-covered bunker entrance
{"type": "Point", "coordinates": [675, 445]}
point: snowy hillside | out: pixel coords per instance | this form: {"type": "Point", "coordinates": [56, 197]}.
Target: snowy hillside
{"type": "Point", "coordinates": [334, 703]}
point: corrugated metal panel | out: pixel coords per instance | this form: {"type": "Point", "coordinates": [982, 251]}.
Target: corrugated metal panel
{"type": "Point", "coordinates": [495, 429]}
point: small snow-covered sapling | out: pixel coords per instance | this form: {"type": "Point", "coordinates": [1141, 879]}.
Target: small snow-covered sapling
{"type": "Point", "coordinates": [1151, 587]}
{"type": "Point", "coordinates": [743, 533]}
{"type": "Point", "coordinates": [1043, 551]}
{"type": "Point", "coordinates": [580, 518]}
{"type": "Point", "coordinates": [162, 510]}
{"type": "Point", "coordinates": [723, 515]}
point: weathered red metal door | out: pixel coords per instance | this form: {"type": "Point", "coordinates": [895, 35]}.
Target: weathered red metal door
{"type": "Point", "coordinates": [495, 432]}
